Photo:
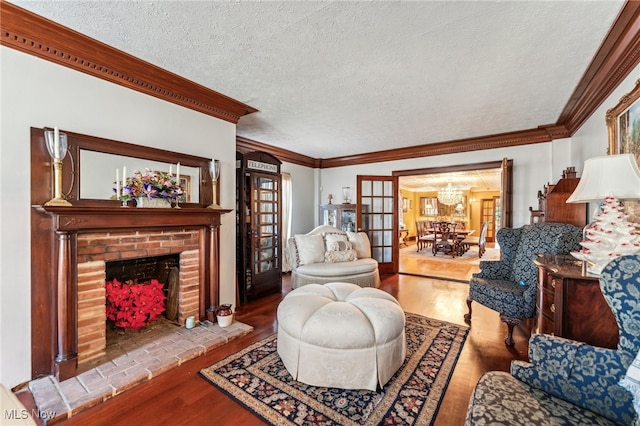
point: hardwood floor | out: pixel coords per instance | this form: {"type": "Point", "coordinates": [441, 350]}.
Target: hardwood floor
{"type": "Point", "coordinates": [180, 396]}
{"type": "Point", "coordinates": [444, 266]}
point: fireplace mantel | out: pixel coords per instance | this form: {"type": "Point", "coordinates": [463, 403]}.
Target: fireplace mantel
{"type": "Point", "coordinates": [81, 218]}
{"type": "Point", "coordinates": [56, 281]}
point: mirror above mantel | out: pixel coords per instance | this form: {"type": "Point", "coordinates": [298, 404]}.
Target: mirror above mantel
{"type": "Point", "coordinates": [94, 166]}
{"type": "Point", "coordinates": [89, 169]}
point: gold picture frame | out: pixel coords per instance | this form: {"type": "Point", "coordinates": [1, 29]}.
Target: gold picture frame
{"type": "Point", "coordinates": [428, 206]}
{"type": "Point", "coordinates": [622, 137]}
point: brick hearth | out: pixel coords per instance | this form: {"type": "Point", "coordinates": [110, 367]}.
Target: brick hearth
{"type": "Point", "coordinates": [94, 249]}
{"type": "Point", "coordinates": [61, 400]}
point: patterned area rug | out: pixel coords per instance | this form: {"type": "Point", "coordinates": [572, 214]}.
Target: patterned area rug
{"type": "Point", "coordinates": [470, 257]}
{"type": "Point", "coordinates": [257, 379]}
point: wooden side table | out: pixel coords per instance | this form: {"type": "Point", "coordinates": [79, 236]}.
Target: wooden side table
{"type": "Point", "coordinates": [570, 303]}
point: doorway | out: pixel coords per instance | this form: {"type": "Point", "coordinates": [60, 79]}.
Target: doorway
{"type": "Point", "coordinates": [485, 190]}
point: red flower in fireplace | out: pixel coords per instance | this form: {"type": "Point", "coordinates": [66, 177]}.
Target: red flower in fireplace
{"type": "Point", "coordinates": [133, 305]}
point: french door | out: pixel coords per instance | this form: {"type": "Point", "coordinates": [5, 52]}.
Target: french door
{"type": "Point", "coordinates": [504, 215]}
{"type": "Point", "coordinates": [488, 214]}
{"type": "Point", "coordinates": [377, 215]}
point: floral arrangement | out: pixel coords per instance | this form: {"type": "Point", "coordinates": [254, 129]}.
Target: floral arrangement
{"type": "Point", "coordinates": [150, 184]}
{"type": "Point", "coordinates": [133, 305]}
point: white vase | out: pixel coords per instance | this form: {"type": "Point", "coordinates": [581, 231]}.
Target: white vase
{"type": "Point", "coordinates": [153, 202]}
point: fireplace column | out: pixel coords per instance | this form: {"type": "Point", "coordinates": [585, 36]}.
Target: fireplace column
{"type": "Point", "coordinates": [214, 271]}
{"type": "Point", "coordinates": [66, 358]}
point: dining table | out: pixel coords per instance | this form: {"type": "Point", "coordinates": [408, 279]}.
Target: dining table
{"type": "Point", "coordinates": [462, 232]}
{"type": "Point", "coordinates": [450, 242]}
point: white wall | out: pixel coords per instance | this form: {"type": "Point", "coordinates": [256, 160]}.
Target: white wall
{"type": "Point", "coordinates": [533, 165]}
{"type": "Point", "coordinates": [592, 139]}
{"type": "Point", "coordinates": [532, 169]}
{"type": "Point", "coordinates": [304, 204]}
{"type": "Point", "coordinates": [38, 93]}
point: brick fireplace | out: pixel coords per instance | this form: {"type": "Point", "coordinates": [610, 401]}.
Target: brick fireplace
{"type": "Point", "coordinates": [68, 285]}
{"type": "Point", "coordinates": [95, 249]}
{"type": "Point", "coordinates": [70, 243]}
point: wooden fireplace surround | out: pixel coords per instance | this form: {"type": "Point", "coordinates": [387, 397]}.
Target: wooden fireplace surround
{"type": "Point", "coordinates": [54, 236]}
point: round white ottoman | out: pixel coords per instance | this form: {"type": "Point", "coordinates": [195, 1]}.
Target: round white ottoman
{"type": "Point", "coordinates": [341, 335]}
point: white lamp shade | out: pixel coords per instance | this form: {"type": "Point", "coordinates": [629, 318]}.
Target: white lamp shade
{"type": "Point", "coordinates": [610, 175]}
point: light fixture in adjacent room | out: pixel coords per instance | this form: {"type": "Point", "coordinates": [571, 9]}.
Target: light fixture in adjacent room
{"type": "Point", "coordinates": [449, 195]}
{"type": "Point", "coordinates": [57, 146]}
{"type": "Point", "coordinates": [606, 180]}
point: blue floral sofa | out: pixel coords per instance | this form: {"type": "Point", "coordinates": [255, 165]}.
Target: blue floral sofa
{"type": "Point", "coordinates": [509, 285]}
{"type": "Point", "coordinates": [569, 382]}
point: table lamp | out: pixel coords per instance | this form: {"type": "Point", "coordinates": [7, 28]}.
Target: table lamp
{"type": "Point", "coordinates": [607, 180]}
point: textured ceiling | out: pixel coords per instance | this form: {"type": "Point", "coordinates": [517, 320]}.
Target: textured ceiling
{"type": "Point", "coordinates": [339, 78]}
{"type": "Point", "coordinates": [476, 180]}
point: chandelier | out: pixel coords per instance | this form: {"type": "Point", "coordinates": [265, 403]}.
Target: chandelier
{"type": "Point", "coordinates": [449, 195]}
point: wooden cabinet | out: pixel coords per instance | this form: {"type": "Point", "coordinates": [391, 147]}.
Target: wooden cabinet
{"type": "Point", "coordinates": [570, 303]}
{"type": "Point", "coordinates": [342, 216]}
{"type": "Point", "coordinates": [552, 202]}
{"type": "Point", "coordinates": [258, 223]}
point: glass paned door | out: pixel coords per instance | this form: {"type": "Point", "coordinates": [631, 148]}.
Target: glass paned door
{"type": "Point", "coordinates": [488, 214]}
{"type": "Point", "coordinates": [264, 238]}
{"type": "Point", "coordinates": [378, 216]}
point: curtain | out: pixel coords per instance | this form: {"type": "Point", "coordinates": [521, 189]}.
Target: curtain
{"type": "Point", "coordinates": [287, 202]}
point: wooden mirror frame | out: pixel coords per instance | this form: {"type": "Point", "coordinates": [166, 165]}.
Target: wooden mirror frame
{"type": "Point", "coordinates": [71, 166]}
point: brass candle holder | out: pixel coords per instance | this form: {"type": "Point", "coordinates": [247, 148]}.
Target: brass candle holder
{"type": "Point", "coordinates": [214, 171]}
{"type": "Point", "coordinates": [57, 146]}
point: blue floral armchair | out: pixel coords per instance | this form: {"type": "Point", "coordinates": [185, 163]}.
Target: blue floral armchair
{"type": "Point", "coordinates": [570, 382]}
{"type": "Point", "coordinates": [509, 285]}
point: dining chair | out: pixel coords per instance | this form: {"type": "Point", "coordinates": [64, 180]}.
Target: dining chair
{"type": "Point", "coordinates": [424, 237]}
{"type": "Point", "coordinates": [480, 241]}
{"type": "Point", "coordinates": [446, 240]}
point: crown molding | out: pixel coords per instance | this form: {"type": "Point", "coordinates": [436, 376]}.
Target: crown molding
{"type": "Point", "coordinates": [35, 35]}
{"type": "Point", "coordinates": [523, 137]}
{"type": "Point", "coordinates": [38, 36]}
{"type": "Point", "coordinates": [617, 56]}
{"type": "Point", "coordinates": [245, 145]}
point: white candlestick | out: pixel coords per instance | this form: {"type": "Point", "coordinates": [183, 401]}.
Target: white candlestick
{"type": "Point", "coordinates": [117, 183]}
{"type": "Point", "coordinates": [124, 176]}
{"type": "Point", "coordinates": [170, 169]}
{"type": "Point", "coordinates": [56, 142]}
{"type": "Point", "coordinates": [178, 173]}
